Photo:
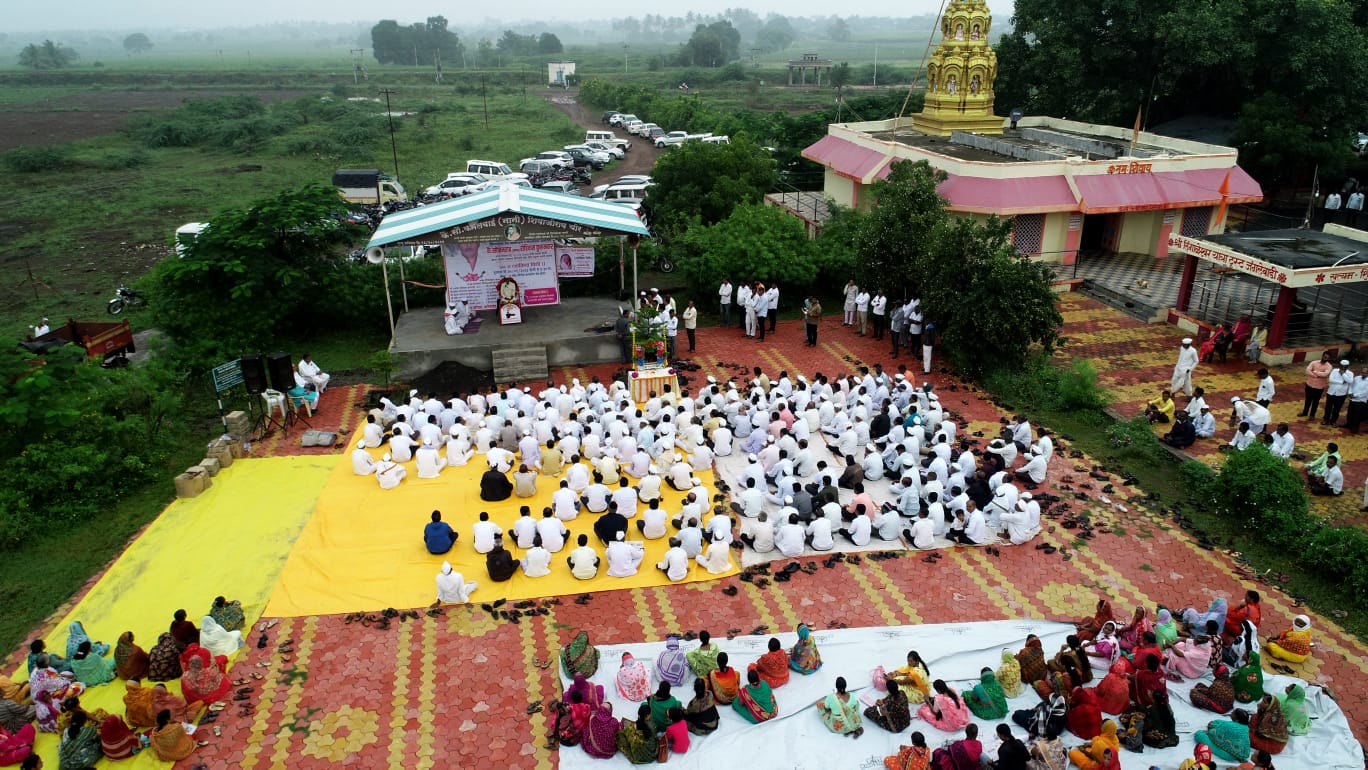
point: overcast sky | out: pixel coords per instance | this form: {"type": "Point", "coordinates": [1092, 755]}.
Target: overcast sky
{"type": "Point", "coordinates": [118, 15]}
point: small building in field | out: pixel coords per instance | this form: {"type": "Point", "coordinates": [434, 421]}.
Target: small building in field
{"type": "Point", "coordinates": [558, 71]}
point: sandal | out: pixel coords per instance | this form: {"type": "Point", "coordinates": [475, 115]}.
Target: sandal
{"type": "Point", "coordinates": [257, 675]}
{"type": "Point", "coordinates": [237, 682]}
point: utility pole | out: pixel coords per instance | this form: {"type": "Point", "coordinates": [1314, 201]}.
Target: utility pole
{"type": "Point", "coordinates": [624, 58]}
{"type": "Point", "coordinates": [389, 115]}
{"type": "Point", "coordinates": [437, 55]}
{"type": "Point", "coordinates": [876, 65]}
{"type": "Point", "coordinates": [484, 94]}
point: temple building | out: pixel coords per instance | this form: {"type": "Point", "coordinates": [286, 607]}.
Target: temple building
{"type": "Point", "coordinates": [1069, 187]}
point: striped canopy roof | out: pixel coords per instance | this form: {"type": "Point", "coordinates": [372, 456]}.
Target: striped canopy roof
{"type": "Point", "coordinates": [507, 213]}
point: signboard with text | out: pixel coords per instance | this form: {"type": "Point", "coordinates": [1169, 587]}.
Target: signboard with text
{"type": "Point", "coordinates": [1283, 276]}
{"type": "Point", "coordinates": [512, 227]}
{"type": "Point", "coordinates": [473, 272]}
{"type": "Point", "coordinates": [575, 262]}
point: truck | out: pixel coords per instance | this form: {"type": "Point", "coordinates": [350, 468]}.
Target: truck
{"type": "Point", "coordinates": [367, 186]}
{"type": "Point", "coordinates": [110, 342]}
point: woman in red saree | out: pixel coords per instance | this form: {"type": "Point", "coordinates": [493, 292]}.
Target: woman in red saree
{"type": "Point", "coordinates": [1147, 680]}
{"type": "Point", "coordinates": [117, 741]}
{"type": "Point", "coordinates": [1113, 693]}
{"type": "Point", "coordinates": [773, 666]}
{"type": "Point", "coordinates": [1132, 634]}
{"type": "Point", "coordinates": [1087, 628]}
{"type": "Point", "coordinates": [204, 680]}
{"type": "Point", "coordinates": [724, 682]}
{"type": "Point", "coordinates": [1085, 716]}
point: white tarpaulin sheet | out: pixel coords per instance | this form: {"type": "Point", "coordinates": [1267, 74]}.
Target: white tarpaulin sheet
{"type": "Point", "coordinates": [797, 739]}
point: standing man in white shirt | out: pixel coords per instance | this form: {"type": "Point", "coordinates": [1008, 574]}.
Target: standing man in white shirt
{"type": "Point", "coordinates": [1337, 391]}
{"type": "Point", "coordinates": [762, 311]}
{"type": "Point", "coordinates": [745, 308]}
{"type": "Point", "coordinates": [850, 292]}
{"type": "Point", "coordinates": [1182, 371]}
{"type": "Point", "coordinates": [773, 308]}
{"type": "Point", "coordinates": [862, 310]}
{"type": "Point", "coordinates": [1358, 402]}
{"type": "Point", "coordinates": [690, 316]}
{"type": "Point", "coordinates": [671, 333]}
{"type": "Point", "coordinates": [1264, 396]}
{"type": "Point", "coordinates": [724, 300]}
{"type": "Point", "coordinates": [878, 306]}
{"type": "Point", "coordinates": [1353, 208]}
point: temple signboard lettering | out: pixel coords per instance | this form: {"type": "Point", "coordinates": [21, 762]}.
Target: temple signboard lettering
{"type": "Point", "coordinates": [1130, 168]}
{"type": "Point", "coordinates": [1283, 276]}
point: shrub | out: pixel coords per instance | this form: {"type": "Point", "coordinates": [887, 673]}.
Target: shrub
{"type": "Point", "coordinates": [1078, 389]}
{"type": "Point", "coordinates": [124, 160]}
{"type": "Point", "coordinates": [1197, 477]}
{"type": "Point", "coordinates": [1263, 493]}
{"type": "Point", "coordinates": [1135, 438]}
{"type": "Point", "coordinates": [32, 160]}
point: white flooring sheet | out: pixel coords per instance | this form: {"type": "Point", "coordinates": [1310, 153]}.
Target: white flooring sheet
{"type": "Point", "coordinates": [798, 740]}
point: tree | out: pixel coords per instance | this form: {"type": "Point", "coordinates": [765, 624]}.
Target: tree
{"type": "Point", "coordinates": [703, 182]}
{"type": "Point", "coordinates": [840, 77]}
{"type": "Point", "coordinates": [754, 242]}
{"type": "Point", "coordinates": [989, 304]}
{"type": "Point", "coordinates": [776, 35]}
{"type": "Point", "coordinates": [838, 31]}
{"type": "Point", "coordinates": [549, 43]}
{"type": "Point", "coordinates": [711, 45]}
{"type": "Point", "coordinates": [137, 43]}
{"type": "Point", "coordinates": [252, 274]}
{"type": "Point", "coordinates": [48, 56]}
{"type": "Point", "coordinates": [420, 43]}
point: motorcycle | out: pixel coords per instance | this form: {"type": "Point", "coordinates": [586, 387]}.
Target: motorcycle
{"type": "Point", "coordinates": [125, 296]}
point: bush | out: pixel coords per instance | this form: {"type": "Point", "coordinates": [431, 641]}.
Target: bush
{"type": "Point", "coordinates": [1078, 389]}
{"type": "Point", "coordinates": [1197, 477]}
{"type": "Point", "coordinates": [1135, 437]}
{"type": "Point", "coordinates": [1339, 552]}
{"type": "Point", "coordinates": [1263, 494]}
{"type": "Point", "coordinates": [32, 160]}
{"type": "Point", "coordinates": [124, 160]}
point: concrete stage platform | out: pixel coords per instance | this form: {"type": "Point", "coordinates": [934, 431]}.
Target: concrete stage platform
{"type": "Point", "coordinates": [419, 335]}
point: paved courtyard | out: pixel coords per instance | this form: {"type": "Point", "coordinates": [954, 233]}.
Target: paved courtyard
{"type": "Point", "coordinates": [454, 690]}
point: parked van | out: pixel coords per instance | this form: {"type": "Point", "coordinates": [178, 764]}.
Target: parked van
{"type": "Point", "coordinates": [716, 139]}
{"type": "Point", "coordinates": [626, 192]}
{"type": "Point", "coordinates": [608, 137]}
{"type": "Point", "coordinates": [492, 170]}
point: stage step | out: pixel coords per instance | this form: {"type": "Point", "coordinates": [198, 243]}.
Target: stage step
{"type": "Point", "coordinates": [520, 364]}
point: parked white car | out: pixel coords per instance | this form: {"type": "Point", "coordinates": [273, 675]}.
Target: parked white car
{"type": "Point", "coordinates": [612, 149]}
{"type": "Point", "coordinates": [557, 158]}
{"type": "Point", "coordinates": [458, 184]}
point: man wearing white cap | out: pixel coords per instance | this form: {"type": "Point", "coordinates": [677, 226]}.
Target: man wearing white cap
{"type": "Point", "coordinates": [430, 462]}
{"type": "Point", "coordinates": [1251, 412]}
{"type": "Point", "coordinates": [624, 557]}
{"type": "Point", "coordinates": [1336, 391]}
{"type": "Point", "coordinates": [1033, 472]}
{"type": "Point", "coordinates": [389, 473]}
{"type": "Point", "coordinates": [362, 464]}
{"type": "Point", "coordinates": [1182, 371]}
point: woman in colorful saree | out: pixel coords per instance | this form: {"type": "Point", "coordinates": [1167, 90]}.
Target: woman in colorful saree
{"type": "Point", "coordinates": [116, 740]}
{"type": "Point", "coordinates": [944, 711]}
{"type": "Point", "coordinates": [1087, 628]}
{"type": "Point", "coordinates": [914, 757]}
{"type": "Point", "coordinates": [16, 745]}
{"type": "Point", "coordinates": [204, 680]}
{"type": "Point", "coordinates": [1166, 629]}
{"type": "Point", "coordinates": [1161, 729]}
{"type": "Point", "coordinates": [139, 705]}
{"type": "Point", "coordinates": [80, 745]}
{"type": "Point", "coordinates": [914, 678]}
{"type": "Point", "coordinates": [804, 657]}
{"type": "Point", "coordinates": [1190, 658]}
{"type": "Point", "coordinates": [671, 665]}
{"type": "Point", "coordinates": [1294, 644]}
{"type": "Point", "coordinates": [1031, 659]}
{"type": "Point", "coordinates": [1131, 634]}
{"type": "Point", "coordinates": [986, 700]}
{"type": "Point", "coordinates": [1092, 755]}
{"type": "Point", "coordinates": [572, 717]}
{"type": "Point", "coordinates": [703, 659]}
{"type": "Point", "coordinates": [661, 703]}
{"type": "Point", "coordinates": [1104, 649]}
{"type": "Point", "coordinates": [1085, 715]}
{"type": "Point", "coordinates": [164, 700]}
{"type": "Point", "coordinates": [76, 634]}
{"type": "Point", "coordinates": [1009, 675]}
{"type": "Point", "coordinates": [1195, 622]}
{"type": "Point", "coordinates": [91, 670]}
{"type": "Point", "coordinates": [163, 662]}
{"type": "Point", "coordinates": [168, 739]}
{"type": "Point", "coordinates": [228, 614]}
{"type": "Point", "coordinates": [579, 656]}
{"type": "Point", "coordinates": [1248, 680]}
{"type": "Point", "coordinates": [1219, 696]}
{"type": "Point", "coordinates": [1268, 728]}
{"type": "Point", "coordinates": [891, 712]}
{"type": "Point", "coordinates": [637, 740]}
{"type": "Point", "coordinates": [755, 702]}
{"type": "Point", "coordinates": [1113, 692]}
{"type": "Point", "coordinates": [1228, 740]}
{"type": "Point", "coordinates": [773, 666]}
{"type": "Point", "coordinates": [130, 660]}
{"type": "Point", "coordinates": [600, 737]}
{"type": "Point", "coordinates": [633, 680]}
{"type": "Point", "coordinates": [1293, 702]}
{"type": "Point", "coordinates": [54, 661]}
{"type": "Point", "coordinates": [840, 711]}
{"type": "Point", "coordinates": [966, 754]}
{"type": "Point", "coordinates": [724, 682]}
{"type": "Point", "coordinates": [701, 713]}
{"type": "Point", "coordinates": [590, 694]}
{"type": "Point", "coordinates": [1073, 660]}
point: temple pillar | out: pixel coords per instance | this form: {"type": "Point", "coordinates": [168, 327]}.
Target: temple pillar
{"type": "Point", "coordinates": [790, 69]}
{"type": "Point", "coordinates": [1185, 284]}
{"type": "Point", "coordinates": [1281, 312]}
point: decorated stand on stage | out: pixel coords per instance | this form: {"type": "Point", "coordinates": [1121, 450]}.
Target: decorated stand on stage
{"type": "Point", "coordinates": [651, 369]}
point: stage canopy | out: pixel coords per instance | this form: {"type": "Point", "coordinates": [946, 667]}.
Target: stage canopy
{"type": "Point", "coordinates": [507, 213]}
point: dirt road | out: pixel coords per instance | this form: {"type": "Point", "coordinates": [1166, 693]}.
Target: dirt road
{"type": "Point", "coordinates": [639, 160]}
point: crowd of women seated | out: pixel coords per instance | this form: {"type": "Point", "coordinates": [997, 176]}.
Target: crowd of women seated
{"type": "Point", "coordinates": [1107, 685]}
{"type": "Point", "coordinates": [155, 719]}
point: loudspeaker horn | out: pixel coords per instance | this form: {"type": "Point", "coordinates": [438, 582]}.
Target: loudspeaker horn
{"type": "Point", "coordinates": [375, 255]}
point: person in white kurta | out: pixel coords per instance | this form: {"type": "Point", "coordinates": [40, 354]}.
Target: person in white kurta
{"type": "Point", "coordinates": [429, 461]}
{"type": "Point", "coordinates": [452, 587]}
{"type": "Point", "coordinates": [1182, 371]}
{"type": "Point", "coordinates": [1017, 524]}
{"type": "Point", "coordinates": [623, 557]}
{"type": "Point", "coordinates": [716, 559]}
{"type": "Point", "coordinates": [372, 433]}
{"type": "Point", "coordinates": [313, 373]}
{"type": "Point", "coordinates": [484, 532]}
{"type": "Point", "coordinates": [584, 560]}
{"type": "Point", "coordinates": [537, 561]}
{"type": "Point", "coordinates": [862, 310]}
{"type": "Point", "coordinates": [362, 464]}
{"type": "Point", "coordinates": [389, 473]}
{"type": "Point", "coordinates": [675, 565]}
{"type": "Point", "coordinates": [851, 292]}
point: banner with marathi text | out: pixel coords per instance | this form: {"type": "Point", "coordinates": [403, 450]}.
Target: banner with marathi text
{"type": "Point", "coordinates": [473, 271]}
{"type": "Point", "coordinates": [575, 261]}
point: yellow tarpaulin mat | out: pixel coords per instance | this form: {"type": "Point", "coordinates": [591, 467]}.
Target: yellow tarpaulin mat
{"type": "Point", "coordinates": [363, 549]}
{"type": "Point", "coordinates": [232, 540]}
